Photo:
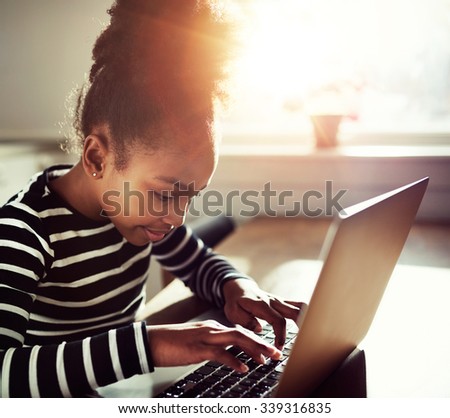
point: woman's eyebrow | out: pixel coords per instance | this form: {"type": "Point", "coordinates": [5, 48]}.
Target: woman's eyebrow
{"type": "Point", "coordinates": [180, 185]}
{"type": "Point", "coordinates": [172, 181]}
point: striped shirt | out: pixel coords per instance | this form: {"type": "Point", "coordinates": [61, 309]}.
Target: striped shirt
{"type": "Point", "coordinates": [70, 288]}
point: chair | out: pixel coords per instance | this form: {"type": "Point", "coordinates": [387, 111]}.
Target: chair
{"type": "Point", "coordinates": [211, 231]}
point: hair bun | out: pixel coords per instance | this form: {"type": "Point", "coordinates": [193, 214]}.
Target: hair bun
{"type": "Point", "coordinates": [157, 60]}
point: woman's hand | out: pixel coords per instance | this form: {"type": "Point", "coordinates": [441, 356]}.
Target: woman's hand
{"type": "Point", "coordinates": [182, 344]}
{"type": "Point", "coordinates": [245, 302]}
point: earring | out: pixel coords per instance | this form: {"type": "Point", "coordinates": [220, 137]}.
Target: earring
{"type": "Point", "coordinates": [94, 174]}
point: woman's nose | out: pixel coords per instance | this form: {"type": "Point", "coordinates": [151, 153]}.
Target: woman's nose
{"type": "Point", "coordinates": [177, 214]}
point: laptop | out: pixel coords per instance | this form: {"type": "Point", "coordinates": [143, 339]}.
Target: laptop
{"type": "Point", "coordinates": [360, 252]}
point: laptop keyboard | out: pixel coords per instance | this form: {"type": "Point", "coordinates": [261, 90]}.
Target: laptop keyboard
{"type": "Point", "coordinates": [215, 380]}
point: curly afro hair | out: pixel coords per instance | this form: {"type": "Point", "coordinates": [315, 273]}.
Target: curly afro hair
{"type": "Point", "coordinates": [157, 61]}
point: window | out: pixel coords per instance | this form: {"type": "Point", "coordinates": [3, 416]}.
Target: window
{"type": "Point", "coordinates": [384, 65]}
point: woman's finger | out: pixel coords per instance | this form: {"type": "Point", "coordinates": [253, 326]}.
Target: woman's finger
{"type": "Point", "coordinates": [262, 309]}
{"type": "Point", "coordinates": [253, 345]}
{"type": "Point", "coordinates": [240, 316]}
{"type": "Point", "coordinates": [287, 309]}
{"type": "Point", "coordinates": [225, 357]}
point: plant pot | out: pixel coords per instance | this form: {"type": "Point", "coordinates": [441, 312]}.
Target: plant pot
{"type": "Point", "coordinates": [326, 128]}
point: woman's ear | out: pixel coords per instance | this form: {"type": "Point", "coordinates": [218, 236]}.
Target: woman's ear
{"type": "Point", "coordinates": [94, 155]}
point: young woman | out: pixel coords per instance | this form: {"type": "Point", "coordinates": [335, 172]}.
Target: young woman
{"type": "Point", "coordinates": [74, 245]}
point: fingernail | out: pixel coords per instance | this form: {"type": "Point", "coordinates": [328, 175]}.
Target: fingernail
{"type": "Point", "coordinates": [277, 354]}
{"type": "Point", "coordinates": [257, 327]}
{"type": "Point", "coordinates": [244, 368]}
{"type": "Point", "coordinates": [262, 359]}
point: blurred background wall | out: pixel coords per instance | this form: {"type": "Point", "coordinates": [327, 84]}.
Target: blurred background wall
{"type": "Point", "coordinates": [45, 53]}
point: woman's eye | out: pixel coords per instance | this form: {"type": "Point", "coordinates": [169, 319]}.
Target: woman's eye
{"type": "Point", "coordinates": [164, 196]}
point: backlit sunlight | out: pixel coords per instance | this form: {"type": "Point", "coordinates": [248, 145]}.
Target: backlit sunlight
{"type": "Point", "coordinates": [382, 64]}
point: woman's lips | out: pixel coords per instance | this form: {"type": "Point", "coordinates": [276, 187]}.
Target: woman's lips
{"type": "Point", "coordinates": [154, 235]}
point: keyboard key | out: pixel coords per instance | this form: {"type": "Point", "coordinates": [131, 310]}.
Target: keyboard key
{"type": "Point", "coordinates": [181, 383]}
{"type": "Point", "coordinates": [265, 368]}
{"type": "Point", "coordinates": [205, 370]}
{"type": "Point", "coordinates": [193, 393]}
{"type": "Point", "coordinates": [280, 368]}
{"type": "Point", "coordinates": [262, 388]}
{"type": "Point", "coordinates": [213, 393]}
{"type": "Point", "coordinates": [266, 330]}
{"type": "Point", "coordinates": [239, 389]}
{"type": "Point", "coordinates": [249, 395]}
{"type": "Point", "coordinates": [221, 387]}
{"type": "Point", "coordinates": [275, 375]}
{"type": "Point", "coordinates": [220, 373]}
{"type": "Point", "coordinates": [202, 387]}
{"type": "Point", "coordinates": [238, 374]}
{"type": "Point", "coordinates": [248, 382]}
{"type": "Point", "coordinates": [209, 381]}
{"type": "Point", "coordinates": [256, 375]}
{"type": "Point", "coordinates": [286, 351]}
{"type": "Point", "coordinates": [252, 365]}
{"type": "Point", "coordinates": [231, 380]}
{"type": "Point", "coordinates": [256, 392]}
{"type": "Point", "coordinates": [228, 395]}
{"type": "Point", "coordinates": [273, 363]}
{"type": "Point", "coordinates": [214, 364]}
{"type": "Point", "coordinates": [235, 351]}
{"type": "Point", "coordinates": [194, 377]}
{"type": "Point", "coordinates": [186, 389]}
{"type": "Point", "coordinates": [268, 383]}
{"type": "Point", "coordinates": [244, 357]}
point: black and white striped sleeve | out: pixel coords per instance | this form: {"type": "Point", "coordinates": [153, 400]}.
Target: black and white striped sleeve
{"type": "Point", "coordinates": [75, 368]}
{"type": "Point", "coordinates": [66, 369]}
{"type": "Point", "coordinates": [186, 256]}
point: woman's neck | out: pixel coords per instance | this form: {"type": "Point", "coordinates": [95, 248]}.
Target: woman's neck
{"type": "Point", "coordinates": [73, 187]}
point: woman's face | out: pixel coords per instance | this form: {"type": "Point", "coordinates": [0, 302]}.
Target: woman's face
{"type": "Point", "coordinates": [152, 194]}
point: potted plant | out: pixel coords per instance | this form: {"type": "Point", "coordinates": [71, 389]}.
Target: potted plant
{"type": "Point", "coordinates": [327, 106]}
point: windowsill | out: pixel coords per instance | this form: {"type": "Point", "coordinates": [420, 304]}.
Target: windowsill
{"type": "Point", "coordinates": [362, 145]}
{"type": "Point", "coordinates": [366, 146]}
{"type": "Point", "coordinates": [285, 147]}
{"type": "Point", "coordinates": [14, 148]}
{"type": "Point", "coordinates": [364, 170]}
{"type": "Point", "coordinates": [363, 151]}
